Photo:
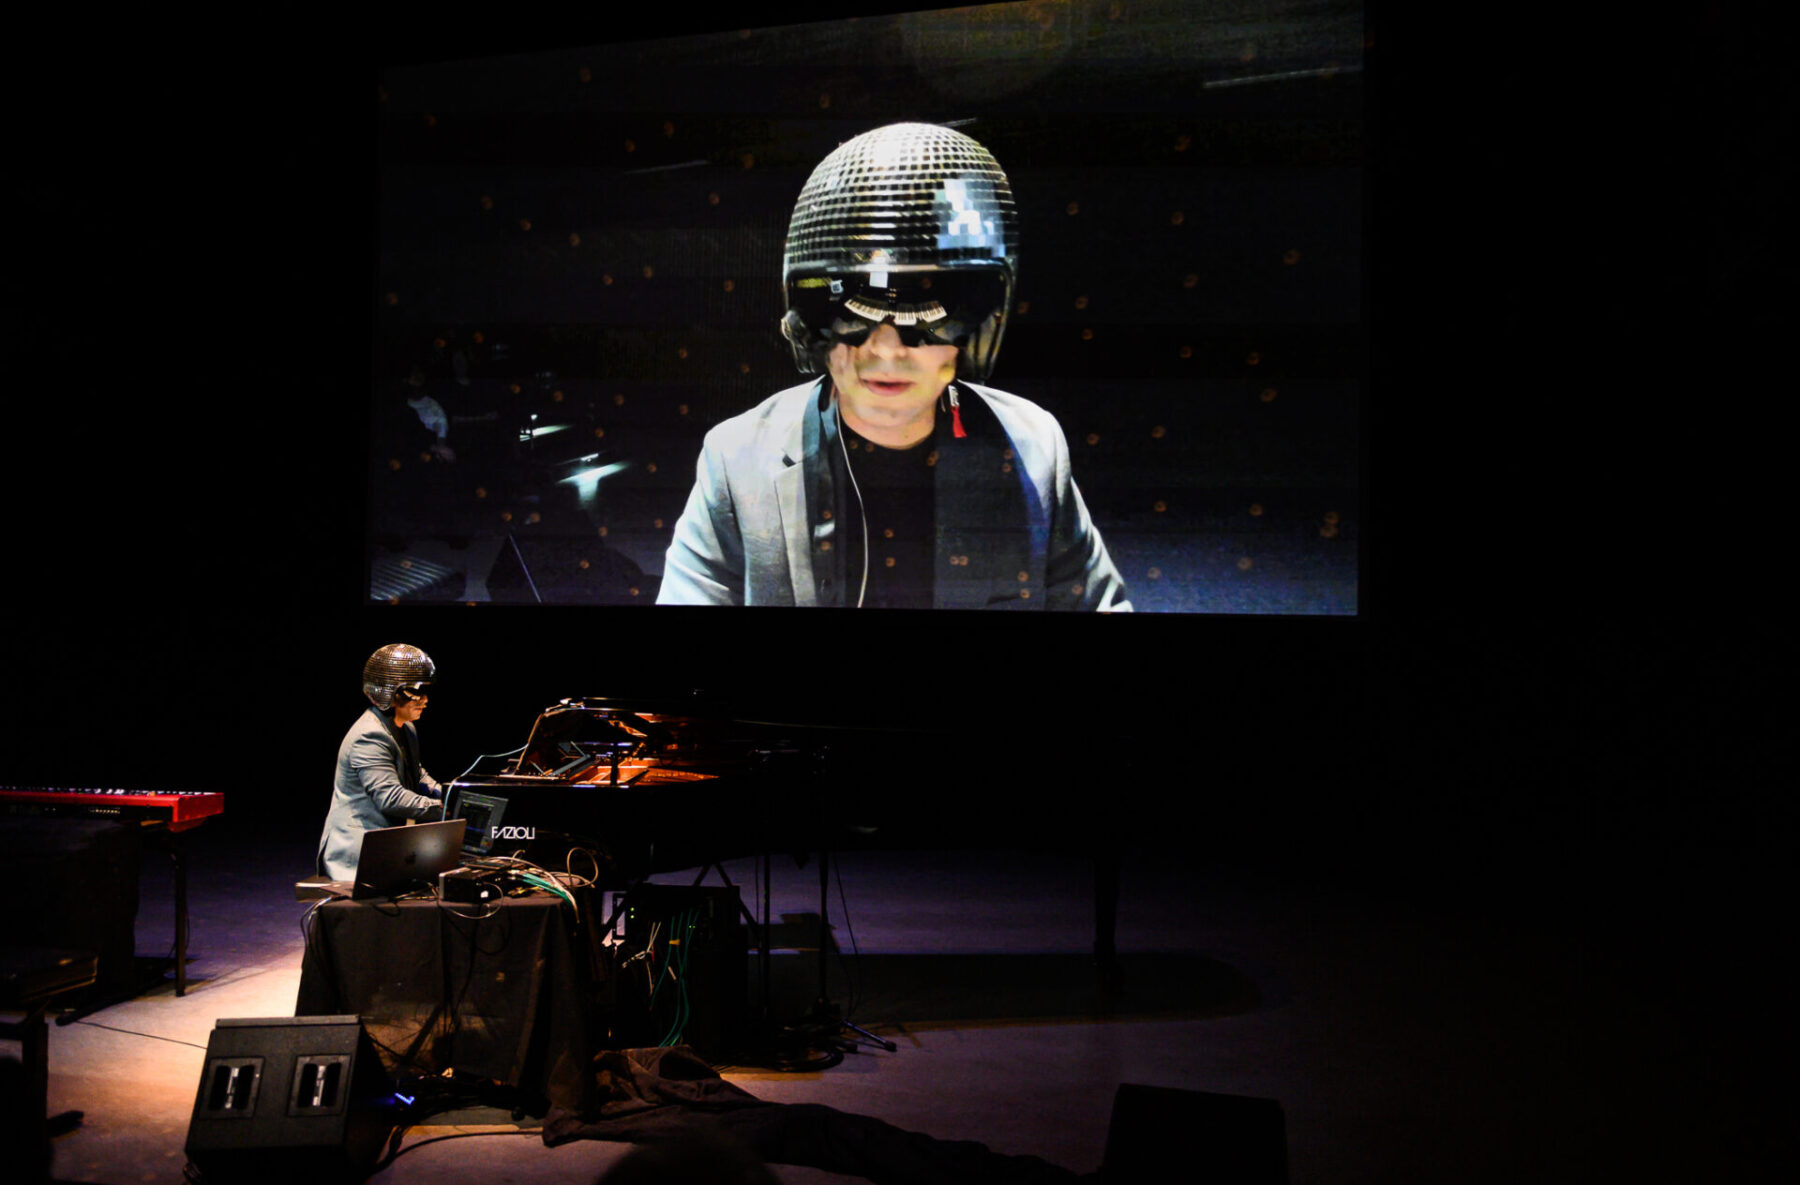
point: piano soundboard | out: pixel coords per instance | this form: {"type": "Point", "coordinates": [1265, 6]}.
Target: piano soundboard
{"type": "Point", "coordinates": [178, 809]}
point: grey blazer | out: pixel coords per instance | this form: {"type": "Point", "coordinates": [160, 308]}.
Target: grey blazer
{"type": "Point", "coordinates": [1012, 529]}
{"type": "Point", "coordinates": [371, 791]}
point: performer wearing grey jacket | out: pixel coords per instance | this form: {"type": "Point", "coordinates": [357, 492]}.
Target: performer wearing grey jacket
{"type": "Point", "coordinates": [898, 479]}
{"type": "Point", "coordinates": [380, 780]}
{"type": "Point", "coordinates": [775, 514]}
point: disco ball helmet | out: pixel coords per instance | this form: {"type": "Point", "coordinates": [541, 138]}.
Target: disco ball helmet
{"type": "Point", "coordinates": [397, 670]}
{"type": "Point", "coordinates": [911, 224]}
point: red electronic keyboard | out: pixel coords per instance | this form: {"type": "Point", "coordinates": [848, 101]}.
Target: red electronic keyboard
{"type": "Point", "coordinates": [159, 812]}
{"type": "Point", "coordinates": [179, 809]}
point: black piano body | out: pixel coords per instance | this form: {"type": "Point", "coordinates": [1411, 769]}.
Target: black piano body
{"type": "Point", "coordinates": [653, 787]}
{"type": "Point", "coordinates": [645, 791]}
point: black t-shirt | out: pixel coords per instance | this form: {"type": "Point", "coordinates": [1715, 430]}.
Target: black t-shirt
{"type": "Point", "coordinates": [897, 502]}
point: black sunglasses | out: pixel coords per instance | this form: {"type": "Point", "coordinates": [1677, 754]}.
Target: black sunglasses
{"type": "Point", "coordinates": [942, 309]}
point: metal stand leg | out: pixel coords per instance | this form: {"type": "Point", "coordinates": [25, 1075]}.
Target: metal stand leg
{"type": "Point", "coordinates": [178, 857]}
{"type": "Point", "coordinates": [825, 1013]}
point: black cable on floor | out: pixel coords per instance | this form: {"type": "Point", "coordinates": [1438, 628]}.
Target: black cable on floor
{"type": "Point", "coordinates": [135, 1033]}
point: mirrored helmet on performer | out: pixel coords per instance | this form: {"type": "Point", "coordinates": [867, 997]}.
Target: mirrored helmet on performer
{"type": "Point", "coordinates": [397, 673]}
{"type": "Point", "coordinates": [910, 225]}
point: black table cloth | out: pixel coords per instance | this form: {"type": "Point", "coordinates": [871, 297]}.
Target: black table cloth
{"type": "Point", "coordinates": [505, 992]}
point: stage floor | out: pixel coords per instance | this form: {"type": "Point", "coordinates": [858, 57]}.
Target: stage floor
{"type": "Point", "coordinates": [1405, 1039]}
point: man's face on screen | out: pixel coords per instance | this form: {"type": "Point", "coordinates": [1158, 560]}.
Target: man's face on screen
{"type": "Point", "coordinates": [888, 391]}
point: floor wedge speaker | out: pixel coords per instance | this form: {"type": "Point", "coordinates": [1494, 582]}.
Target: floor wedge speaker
{"type": "Point", "coordinates": [299, 1098]}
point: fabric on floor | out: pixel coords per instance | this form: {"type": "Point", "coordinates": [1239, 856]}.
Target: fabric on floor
{"type": "Point", "coordinates": [658, 1094]}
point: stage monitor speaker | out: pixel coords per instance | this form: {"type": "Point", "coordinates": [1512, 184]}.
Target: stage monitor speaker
{"type": "Point", "coordinates": [299, 1098]}
{"type": "Point", "coordinates": [1211, 1139]}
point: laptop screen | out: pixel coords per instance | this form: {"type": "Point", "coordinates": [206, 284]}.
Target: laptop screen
{"type": "Point", "coordinates": [481, 814]}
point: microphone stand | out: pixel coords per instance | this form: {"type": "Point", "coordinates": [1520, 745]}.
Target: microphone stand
{"type": "Point", "coordinates": [827, 1026]}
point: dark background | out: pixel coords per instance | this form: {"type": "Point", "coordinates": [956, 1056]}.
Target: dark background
{"type": "Point", "coordinates": [1562, 683]}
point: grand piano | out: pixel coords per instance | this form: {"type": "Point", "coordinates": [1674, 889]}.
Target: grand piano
{"type": "Point", "coordinates": [651, 787]}
{"type": "Point", "coordinates": [656, 786]}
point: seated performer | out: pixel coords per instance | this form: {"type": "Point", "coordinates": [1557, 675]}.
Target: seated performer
{"type": "Point", "coordinates": [380, 782]}
{"type": "Point", "coordinates": [895, 479]}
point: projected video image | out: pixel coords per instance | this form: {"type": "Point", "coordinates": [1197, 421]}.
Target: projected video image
{"type": "Point", "coordinates": [1027, 307]}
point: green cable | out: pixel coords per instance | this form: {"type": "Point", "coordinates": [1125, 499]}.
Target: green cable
{"type": "Point", "coordinates": [688, 923]}
{"type": "Point", "coordinates": [532, 879]}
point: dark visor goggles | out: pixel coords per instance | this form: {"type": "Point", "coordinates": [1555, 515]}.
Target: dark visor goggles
{"type": "Point", "coordinates": [936, 309]}
{"type": "Point", "coordinates": [420, 690]}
